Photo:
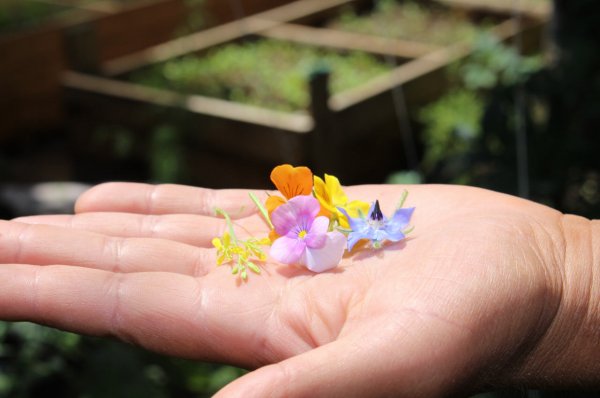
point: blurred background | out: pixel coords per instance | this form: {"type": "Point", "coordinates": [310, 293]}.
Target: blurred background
{"type": "Point", "coordinates": [502, 94]}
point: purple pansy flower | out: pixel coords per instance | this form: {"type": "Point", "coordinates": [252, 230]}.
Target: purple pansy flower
{"type": "Point", "coordinates": [304, 237]}
{"type": "Point", "coordinates": [377, 228]}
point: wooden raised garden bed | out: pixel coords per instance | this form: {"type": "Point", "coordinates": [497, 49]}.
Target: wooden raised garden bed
{"type": "Point", "coordinates": [355, 132]}
{"type": "Point", "coordinates": [33, 58]}
{"type": "Point", "coordinates": [532, 8]}
{"type": "Point", "coordinates": [39, 39]}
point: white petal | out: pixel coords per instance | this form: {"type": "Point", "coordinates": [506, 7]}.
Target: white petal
{"type": "Point", "coordinates": [327, 257]}
{"type": "Point", "coordinates": [320, 225]}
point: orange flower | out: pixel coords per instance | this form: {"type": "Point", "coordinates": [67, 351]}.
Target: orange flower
{"type": "Point", "coordinates": [290, 181]}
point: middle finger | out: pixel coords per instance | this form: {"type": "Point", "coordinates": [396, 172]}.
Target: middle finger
{"type": "Point", "coordinates": [46, 245]}
{"type": "Point", "coordinates": [185, 228]}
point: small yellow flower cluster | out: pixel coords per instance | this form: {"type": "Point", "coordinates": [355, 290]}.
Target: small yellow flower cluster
{"type": "Point", "coordinates": [241, 252]}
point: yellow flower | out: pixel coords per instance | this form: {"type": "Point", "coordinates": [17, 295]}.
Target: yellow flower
{"type": "Point", "coordinates": [241, 252]}
{"type": "Point", "coordinates": [331, 196]}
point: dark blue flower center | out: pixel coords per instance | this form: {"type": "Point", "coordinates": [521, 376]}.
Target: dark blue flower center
{"type": "Point", "coordinates": [376, 214]}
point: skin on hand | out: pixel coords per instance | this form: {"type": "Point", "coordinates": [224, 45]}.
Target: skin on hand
{"type": "Point", "coordinates": [484, 292]}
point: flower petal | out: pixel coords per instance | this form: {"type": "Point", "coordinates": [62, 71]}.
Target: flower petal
{"type": "Point", "coordinates": [298, 212]}
{"type": "Point", "coordinates": [316, 237]}
{"type": "Point", "coordinates": [319, 226]}
{"type": "Point", "coordinates": [353, 239]}
{"type": "Point", "coordinates": [306, 208]}
{"type": "Point", "coordinates": [292, 181]}
{"type": "Point", "coordinates": [394, 236]}
{"type": "Point", "coordinates": [371, 209]}
{"type": "Point", "coordinates": [327, 257]}
{"type": "Point", "coordinates": [273, 236]}
{"type": "Point", "coordinates": [315, 241]}
{"type": "Point", "coordinates": [354, 223]}
{"type": "Point", "coordinates": [287, 250]}
{"type": "Point", "coordinates": [357, 208]}
{"type": "Point", "coordinates": [401, 218]}
{"type": "Point", "coordinates": [338, 197]}
{"type": "Point", "coordinates": [330, 194]}
{"type": "Point", "coordinates": [354, 209]}
{"type": "Point", "coordinates": [273, 202]}
{"type": "Point", "coordinates": [284, 219]}
{"type": "Point", "coordinates": [322, 195]}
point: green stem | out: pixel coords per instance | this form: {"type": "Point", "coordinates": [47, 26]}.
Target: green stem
{"type": "Point", "coordinates": [262, 209]}
{"type": "Point", "coordinates": [229, 224]}
{"type": "Point", "coordinates": [403, 199]}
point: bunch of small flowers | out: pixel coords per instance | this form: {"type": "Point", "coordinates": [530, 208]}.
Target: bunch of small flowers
{"type": "Point", "coordinates": [230, 249]}
{"type": "Point", "coordinates": [313, 223]}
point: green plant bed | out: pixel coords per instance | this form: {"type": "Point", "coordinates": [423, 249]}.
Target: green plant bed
{"type": "Point", "coordinates": [266, 73]}
{"type": "Point", "coordinates": [409, 21]}
{"type": "Point", "coordinates": [17, 15]}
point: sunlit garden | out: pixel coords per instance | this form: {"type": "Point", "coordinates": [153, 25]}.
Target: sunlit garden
{"type": "Point", "coordinates": [500, 94]}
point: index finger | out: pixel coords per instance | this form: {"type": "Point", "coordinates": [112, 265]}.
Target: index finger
{"type": "Point", "coordinates": [166, 199]}
{"type": "Point", "coordinates": [169, 313]}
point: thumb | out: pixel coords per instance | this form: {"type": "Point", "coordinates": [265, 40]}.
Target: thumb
{"type": "Point", "coordinates": [343, 368]}
{"type": "Point", "coordinates": [327, 371]}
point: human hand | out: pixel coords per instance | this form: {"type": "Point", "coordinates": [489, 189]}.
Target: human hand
{"type": "Point", "coordinates": [474, 297]}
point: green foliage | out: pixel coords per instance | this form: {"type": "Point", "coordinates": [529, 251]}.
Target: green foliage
{"type": "Point", "coordinates": [410, 21]}
{"type": "Point", "coordinates": [119, 140]}
{"type": "Point", "coordinates": [527, 3]}
{"type": "Point", "coordinates": [196, 17]}
{"type": "Point", "coordinates": [494, 64]}
{"type": "Point", "coordinates": [159, 150]}
{"type": "Point", "coordinates": [266, 73]}
{"type": "Point", "coordinates": [452, 125]}
{"type": "Point", "coordinates": [18, 15]}
{"type": "Point", "coordinates": [26, 357]}
{"type": "Point", "coordinates": [21, 14]}
{"type": "Point", "coordinates": [40, 361]}
{"type": "Point", "coordinates": [166, 154]}
{"type": "Point", "coordinates": [405, 177]}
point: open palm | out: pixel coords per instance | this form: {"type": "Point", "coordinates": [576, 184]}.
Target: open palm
{"type": "Point", "coordinates": [428, 316]}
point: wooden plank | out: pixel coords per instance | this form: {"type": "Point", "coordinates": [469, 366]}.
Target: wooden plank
{"type": "Point", "coordinates": [185, 45]}
{"type": "Point", "coordinates": [219, 11]}
{"type": "Point", "coordinates": [301, 9]}
{"type": "Point", "coordinates": [420, 67]}
{"type": "Point", "coordinates": [398, 76]}
{"type": "Point", "coordinates": [218, 35]}
{"type": "Point", "coordinates": [510, 28]}
{"type": "Point", "coordinates": [349, 41]}
{"type": "Point", "coordinates": [294, 122]}
{"type": "Point", "coordinates": [542, 10]}
{"type": "Point", "coordinates": [104, 7]}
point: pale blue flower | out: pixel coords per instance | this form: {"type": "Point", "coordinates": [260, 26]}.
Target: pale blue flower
{"type": "Point", "coordinates": [377, 228]}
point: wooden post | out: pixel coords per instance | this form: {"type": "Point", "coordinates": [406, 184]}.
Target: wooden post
{"type": "Point", "coordinates": [82, 47]}
{"type": "Point", "coordinates": [324, 142]}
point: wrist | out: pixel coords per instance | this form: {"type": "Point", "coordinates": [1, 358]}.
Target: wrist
{"type": "Point", "coordinates": [566, 354]}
